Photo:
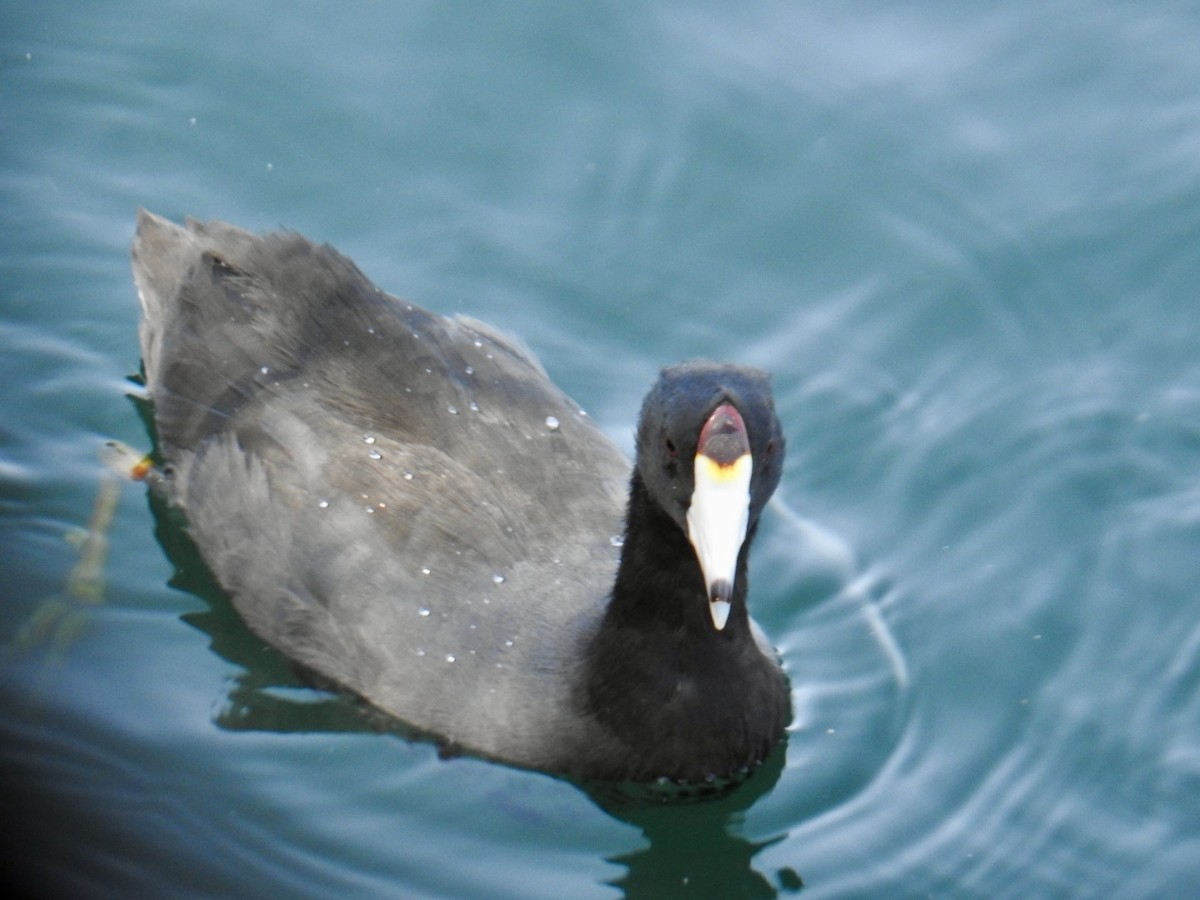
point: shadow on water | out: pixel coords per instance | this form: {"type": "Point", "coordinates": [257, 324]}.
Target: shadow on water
{"type": "Point", "coordinates": [692, 848]}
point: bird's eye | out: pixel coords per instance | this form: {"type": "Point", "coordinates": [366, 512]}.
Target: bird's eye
{"type": "Point", "coordinates": [669, 450]}
{"type": "Point", "coordinates": [772, 446]}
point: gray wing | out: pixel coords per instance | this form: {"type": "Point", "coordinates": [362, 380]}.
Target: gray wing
{"type": "Point", "coordinates": [398, 500]}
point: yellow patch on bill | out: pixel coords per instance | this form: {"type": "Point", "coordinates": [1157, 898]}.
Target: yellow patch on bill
{"type": "Point", "coordinates": [723, 474]}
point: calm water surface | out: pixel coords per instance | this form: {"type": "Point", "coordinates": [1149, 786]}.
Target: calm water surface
{"type": "Point", "coordinates": [962, 237]}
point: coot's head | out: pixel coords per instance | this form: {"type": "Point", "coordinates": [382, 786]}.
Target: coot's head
{"type": "Point", "coordinates": [710, 453]}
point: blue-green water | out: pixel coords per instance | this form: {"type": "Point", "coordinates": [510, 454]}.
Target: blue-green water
{"type": "Point", "coordinates": [965, 238]}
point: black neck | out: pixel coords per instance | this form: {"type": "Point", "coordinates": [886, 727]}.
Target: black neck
{"type": "Point", "coordinates": [685, 699]}
{"type": "Point", "coordinates": [659, 585]}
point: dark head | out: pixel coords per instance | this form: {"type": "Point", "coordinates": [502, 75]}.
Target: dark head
{"type": "Point", "coordinates": [710, 453]}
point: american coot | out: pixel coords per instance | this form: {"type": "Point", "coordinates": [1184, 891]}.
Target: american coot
{"type": "Point", "coordinates": [406, 505]}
